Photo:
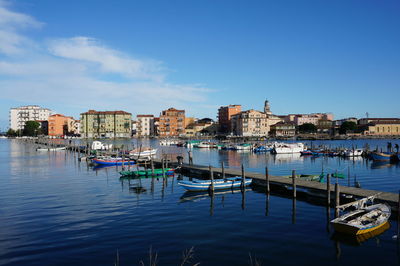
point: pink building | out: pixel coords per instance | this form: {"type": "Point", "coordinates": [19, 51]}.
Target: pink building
{"type": "Point", "coordinates": [300, 119]}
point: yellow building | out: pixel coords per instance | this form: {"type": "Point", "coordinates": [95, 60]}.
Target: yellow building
{"type": "Point", "coordinates": [383, 128]}
{"type": "Point", "coordinates": [107, 124]}
{"type": "Point", "coordinates": [253, 123]}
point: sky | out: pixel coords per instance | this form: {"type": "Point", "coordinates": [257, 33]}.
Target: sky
{"type": "Point", "coordinates": [142, 57]}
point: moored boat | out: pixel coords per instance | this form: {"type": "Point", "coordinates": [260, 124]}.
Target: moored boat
{"type": "Point", "coordinates": [364, 219]}
{"type": "Point", "coordinates": [243, 147]}
{"type": "Point", "coordinates": [287, 148]}
{"type": "Point", "coordinates": [381, 156]}
{"type": "Point", "coordinates": [148, 172]}
{"type": "Point", "coordinates": [143, 152]}
{"type": "Point", "coordinates": [112, 161]}
{"type": "Point", "coordinates": [51, 149]}
{"type": "Point", "coordinates": [219, 184]}
{"type": "Point", "coordinates": [353, 153]}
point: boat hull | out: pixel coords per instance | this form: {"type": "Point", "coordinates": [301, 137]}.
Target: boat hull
{"type": "Point", "coordinates": [168, 171]}
{"type": "Point", "coordinates": [112, 162]}
{"type": "Point", "coordinates": [352, 230]}
{"type": "Point", "coordinates": [380, 156]}
{"type": "Point", "coordinates": [218, 185]}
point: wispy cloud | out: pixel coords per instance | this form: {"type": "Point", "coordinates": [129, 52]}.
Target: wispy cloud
{"type": "Point", "coordinates": [82, 72]}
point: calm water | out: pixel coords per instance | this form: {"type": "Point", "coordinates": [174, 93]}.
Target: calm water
{"type": "Point", "coordinates": [56, 211]}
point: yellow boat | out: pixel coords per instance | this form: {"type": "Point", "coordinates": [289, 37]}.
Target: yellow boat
{"type": "Point", "coordinates": [365, 219]}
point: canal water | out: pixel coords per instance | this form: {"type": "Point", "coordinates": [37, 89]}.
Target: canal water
{"type": "Point", "coordinates": [57, 211]}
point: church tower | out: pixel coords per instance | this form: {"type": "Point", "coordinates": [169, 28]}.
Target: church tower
{"type": "Point", "coordinates": [267, 108]}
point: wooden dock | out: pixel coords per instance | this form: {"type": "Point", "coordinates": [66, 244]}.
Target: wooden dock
{"type": "Point", "coordinates": [260, 180]}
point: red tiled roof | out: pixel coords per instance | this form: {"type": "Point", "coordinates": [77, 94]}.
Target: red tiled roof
{"type": "Point", "coordinates": [145, 116]}
{"type": "Point", "coordinates": [106, 112]}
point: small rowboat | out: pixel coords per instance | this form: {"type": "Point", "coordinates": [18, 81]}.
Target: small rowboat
{"type": "Point", "coordinates": [112, 161]}
{"type": "Point", "coordinates": [51, 149]}
{"type": "Point", "coordinates": [381, 156]}
{"type": "Point", "coordinates": [364, 219]}
{"type": "Point", "coordinates": [148, 172]}
{"type": "Point", "coordinates": [143, 153]}
{"type": "Point", "coordinates": [219, 184]}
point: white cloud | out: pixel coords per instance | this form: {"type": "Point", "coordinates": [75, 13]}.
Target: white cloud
{"type": "Point", "coordinates": [11, 42]}
{"type": "Point", "coordinates": [83, 73]}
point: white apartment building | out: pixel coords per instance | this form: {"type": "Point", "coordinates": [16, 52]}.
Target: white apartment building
{"type": "Point", "coordinates": [145, 125]}
{"type": "Point", "coordinates": [20, 115]}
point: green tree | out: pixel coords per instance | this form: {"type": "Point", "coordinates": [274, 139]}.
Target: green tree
{"type": "Point", "coordinates": [31, 128]}
{"type": "Point", "coordinates": [347, 126]}
{"type": "Point", "coordinates": [307, 128]}
{"type": "Point", "coordinates": [11, 133]}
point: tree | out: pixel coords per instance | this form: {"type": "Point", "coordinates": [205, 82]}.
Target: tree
{"type": "Point", "coordinates": [307, 128]}
{"type": "Point", "coordinates": [348, 126]}
{"type": "Point", "coordinates": [31, 128]}
{"type": "Point", "coordinates": [11, 133]}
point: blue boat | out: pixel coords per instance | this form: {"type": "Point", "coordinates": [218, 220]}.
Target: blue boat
{"type": "Point", "coordinates": [261, 149]}
{"type": "Point", "coordinates": [381, 156]}
{"type": "Point", "coordinates": [219, 184]}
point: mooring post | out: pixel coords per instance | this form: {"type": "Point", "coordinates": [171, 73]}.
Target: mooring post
{"type": "Point", "coordinates": [337, 199]}
{"type": "Point", "coordinates": [123, 166]}
{"type": "Point", "coordinates": [267, 178]}
{"type": "Point", "coordinates": [328, 189]}
{"type": "Point", "coordinates": [294, 183]}
{"type": "Point", "coordinates": [162, 167]}
{"type": "Point", "coordinates": [223, 169]}
{"type": "Point", "coordinates": [348, 176]}
{"type": "Point", "coordinates": [152, 166]}
{"type": "Point", "coordinates": [243, 177]}
{"type": "Point", "coordinates": [398, 218]}
{"type": "Point", "coordinates": [212, 179]}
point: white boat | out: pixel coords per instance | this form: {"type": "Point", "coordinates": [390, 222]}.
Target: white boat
{"type": "Point", "coordinates": [227, 183]}
{"type": "Point", "coordinates": [243, 147]}
{"type": "Point", "coordinates": [97, 145]}
{"type": "Point", "coordinates": [280, 148]}
{"type": "Point", "coordinates": [168, 142]}
{"type": "Point", "coordinates": [204, 145]}
{"type": "Point", "coordinates": [364, 219]}
{"type": "Point", "coordinates": [353, 153]}
{"type": "Point", "coordinates": [51, 149]}
{"type": "Point", "coordinates": [143, 153]}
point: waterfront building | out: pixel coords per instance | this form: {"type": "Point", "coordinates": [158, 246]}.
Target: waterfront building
{"type": "Point", "coordinates": [172, 123]}
{"type": "Point", "coordinates": [106, 124]}
{"type": "Point", "coordinates": [283, 129]}
{"type": "Point", "coordinates": [338, 123]}
{"type": "Point", "coordinates": [77, 127]}
{"type": "Point", "coordinates": [156, 126]}
{"type": "Point", "coordinates": [134, 127]}
{"type": "Point", "coordinates": [382, 127]}
{"type": "Point", "coordinates": [365, 121]}
{"type": "Point", "coordinates": [225, 114]}
{"type": "Point", "coordinates": [200, 128]}
{"type": "Point", "coordinates": [300, 119]}
{"type": "Point", "coordinates": [60, 125]}
{"type": "Point", "coordinates": [145, 125]}
{"type": "Point", "coordinates": [250, 123]}
{"type": "Point", "coordinates": [20, 115]}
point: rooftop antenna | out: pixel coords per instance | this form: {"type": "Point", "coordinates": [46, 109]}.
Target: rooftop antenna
{"type": "Point", "coordinates": [367, 115]}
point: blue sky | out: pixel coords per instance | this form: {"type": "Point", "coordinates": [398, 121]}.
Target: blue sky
{"type": "Point", "coordinates": [144, 56]}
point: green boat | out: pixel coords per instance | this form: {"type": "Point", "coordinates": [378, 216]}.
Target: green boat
{"type": "Point", "coordinates": [148, 172]}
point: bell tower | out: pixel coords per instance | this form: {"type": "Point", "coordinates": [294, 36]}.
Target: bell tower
{"type": "Point", "coordinates": [267, 108]}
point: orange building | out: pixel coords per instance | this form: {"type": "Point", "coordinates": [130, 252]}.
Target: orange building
{"type": "Point", "coordinates": [60, 125]}
{"type": "Point", "coordinates": [172, 123]}
{"type": "Point", "coordinates": [224, 117]}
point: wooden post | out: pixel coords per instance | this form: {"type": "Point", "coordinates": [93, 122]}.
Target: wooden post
{"type": "Point", "coordinates": [123, 167]}
{"type": "Point", "coordinates": [267, 179]}
{"type": "Point", "coordinates": [162, 167]}
{"type": "Point", "coordinates": [337, 199]}
{"type": "Point", "coordinates": [328, 189]}
{"type": "Point", "coordinates": [152, 166]}
{"type": "Point", "coordinates": [348, 176]}
{"type": "Point", "coordinates": [243, 177]}
{"type": "Point", "coordinates": [398, 218]}
{"type": "Point", "coordinates": [294, 183]}
{"type": "Point", "coordinates": [223, 169]}
{"type": "Point", "coordinates": [212, 180]}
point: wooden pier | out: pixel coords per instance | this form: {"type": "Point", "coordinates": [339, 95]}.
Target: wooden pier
{"type": "Point", "coordinates": [260, 179]}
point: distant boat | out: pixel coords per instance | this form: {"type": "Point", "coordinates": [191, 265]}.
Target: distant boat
{"type": "Point", "coordinates": [261, 149]}
{"type": "Point", "coordinates": [112, 161]}
{"type": "Point", "coordinates": [143, 152]}
{"type": "Point", "coordinates": [51, 149]}
{"type": "Point", "coordinates": [364, 219]}
{"type": "Point", "coordinates": [306, 152]}
{"type": "Point", "coordinates": [203, 145]}
{"type": "Point", "coordinates": [288, 148]}
{"type": "Point", "coordinates": [353, 153]}
{"type": "Point", "coordinates": [381, 156]}
{"type": "Point", "coordinates": [219, 184]}
{"type": "Point", "coordinates": [243, 147]}
{"type": "Point", "coordinates": [148, 172]}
